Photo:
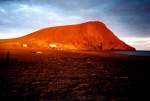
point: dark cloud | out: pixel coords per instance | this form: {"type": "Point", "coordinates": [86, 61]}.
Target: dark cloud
{"type": "Point", "coordinates": [130, 7]}
{"type": "Point", "coordinates": [135, 14]}
{"type": "Point", "coordinates": [124, 17]}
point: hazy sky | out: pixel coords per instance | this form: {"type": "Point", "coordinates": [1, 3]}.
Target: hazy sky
{"type": "Point", "coordinates": [128, 19]}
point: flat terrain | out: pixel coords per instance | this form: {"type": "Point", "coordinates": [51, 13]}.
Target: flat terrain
{"type": "Point", "coordinates": [50, 75]}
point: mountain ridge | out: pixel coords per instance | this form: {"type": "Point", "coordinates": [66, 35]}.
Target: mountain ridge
{"type": "Point", "coordinates": [91, 35]}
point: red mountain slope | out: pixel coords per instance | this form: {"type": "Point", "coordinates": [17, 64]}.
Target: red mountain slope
{"type": "Point", "coordinates": [93, 35]}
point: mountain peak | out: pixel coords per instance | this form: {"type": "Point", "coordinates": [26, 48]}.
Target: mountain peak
{"type": "Point", "coordinates": [94, 22]}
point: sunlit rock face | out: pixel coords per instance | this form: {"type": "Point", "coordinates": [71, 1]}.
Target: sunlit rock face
{"type": "Point", "coordinates": [93, 35]}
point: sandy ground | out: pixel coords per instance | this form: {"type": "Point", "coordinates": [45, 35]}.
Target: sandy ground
{"type": "Point", "coordinates": [50, 75]}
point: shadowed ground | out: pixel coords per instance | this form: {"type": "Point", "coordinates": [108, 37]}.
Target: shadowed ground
{"type": "Point", "coordinates": [69, 76]}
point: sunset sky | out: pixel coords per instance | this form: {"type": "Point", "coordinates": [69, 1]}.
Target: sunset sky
{"type": "Point", "coordinates": [128, 19]}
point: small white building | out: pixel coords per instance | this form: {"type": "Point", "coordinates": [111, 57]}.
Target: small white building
{"type": "Point", "coordinates": [51, 45]}
{"type": "Point", "coordinates": [39, 52]}
{"type": "Point", "coordinates": [24, 45]}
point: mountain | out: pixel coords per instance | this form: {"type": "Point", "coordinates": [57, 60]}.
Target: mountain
{"type": "Point", "coordinates": [92, 35]}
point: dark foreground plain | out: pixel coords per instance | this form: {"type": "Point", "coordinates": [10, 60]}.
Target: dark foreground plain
{"type": "Point", "coordinates": [51, 75]}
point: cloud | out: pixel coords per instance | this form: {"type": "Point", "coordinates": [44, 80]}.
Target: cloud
{"type": "Point", "coordinates": [24, 17]}
{"type": "Point", "coordinates": [10, 35]}
{"type": "Point", "coordinates": [124, 17]}
{"type": "Point", "coordinates": [140, 43]}
{"type": "Point", "coordinates": [133, 14]}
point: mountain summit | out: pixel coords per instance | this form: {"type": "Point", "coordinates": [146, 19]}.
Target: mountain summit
{"type": "Point", "coordinates": [92, 35]}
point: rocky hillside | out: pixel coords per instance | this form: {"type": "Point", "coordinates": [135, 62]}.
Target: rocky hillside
{"type": "Point", "coordinates": [92, 35]}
